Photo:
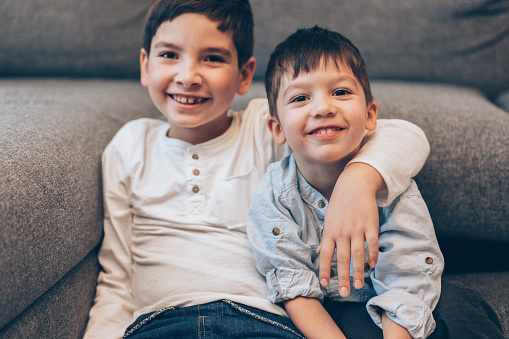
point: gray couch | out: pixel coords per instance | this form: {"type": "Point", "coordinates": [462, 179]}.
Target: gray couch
{"type": "Point", "coordinates": [69, 80]}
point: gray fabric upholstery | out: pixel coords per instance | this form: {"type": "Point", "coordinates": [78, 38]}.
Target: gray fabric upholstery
{"type": "Point", "coordinates": [464, 181]}
{"type": "Point", "coordinates": [71, 38]}
{"type": "Point", "coordinates": [494, 288]}
{"type": "Point", "coordinates": [52, 134]}
{"type": "Point", "coordinates": [66, 303]}
{"type": "Point", "coordinates": [503, 101]}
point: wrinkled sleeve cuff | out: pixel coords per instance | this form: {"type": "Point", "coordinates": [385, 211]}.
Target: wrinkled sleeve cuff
{"type": "Point", "coordinates": [405, 310]}
{"type": "Point", "coordinates": [287, 283]}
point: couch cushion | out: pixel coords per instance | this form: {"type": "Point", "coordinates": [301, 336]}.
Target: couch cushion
{"type": "Point", "coordinates": [52, 133]}
{"type": "Point", "coordinates": [62, 312]}
{"type": "Point", "coordinates": [465, 180]}
{"type": "Point", "coordinates": [492, 287]}
{"type": "Point", "coordinates": [69, 38]}
{"type": "Point", "coordinates": [461, 42]}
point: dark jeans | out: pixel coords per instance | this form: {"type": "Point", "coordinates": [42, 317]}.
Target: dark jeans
{"type": "Point", "coordinates": [217, 320]}
{"type": "Point", "coordinates": [461, 313]}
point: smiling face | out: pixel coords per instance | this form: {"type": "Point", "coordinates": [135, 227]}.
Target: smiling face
{"type": "Point", "coordinates": [192, 75]}
{"type": "Point", "coordinates": [322, 115]}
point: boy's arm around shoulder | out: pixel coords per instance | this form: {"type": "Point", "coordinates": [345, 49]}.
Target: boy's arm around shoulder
{"type": "Point", "coordinates": [113, 306]}
{"type": "Point", "coordinates": [407, 278]}
{"type": "Point", "coordinates": [397, 149]}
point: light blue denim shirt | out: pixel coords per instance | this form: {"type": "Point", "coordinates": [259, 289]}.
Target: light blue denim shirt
{"type": "Point", "coordinates": [285, 224]}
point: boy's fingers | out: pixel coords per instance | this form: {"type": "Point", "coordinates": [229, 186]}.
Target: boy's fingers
{"type": "Point", "coordinates": [326, 253]}
{"type": "Point", "coordinates": [372, 242]}
{"type": "Point", "coordinates": [358, 261]}
{"type": "Point", "coordinates": [343, 257]}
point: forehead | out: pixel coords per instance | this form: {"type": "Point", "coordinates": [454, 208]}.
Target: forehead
{"type": "Point", "coordinates": [191, 29]}
{"type": "Point", "coordinates": [326, 71]}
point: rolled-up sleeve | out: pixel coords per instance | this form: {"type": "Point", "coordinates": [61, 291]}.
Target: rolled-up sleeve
{"type": "Point", "coordinates": [278, 251]}
{"type": "Point", "coordinates": [407, 278]}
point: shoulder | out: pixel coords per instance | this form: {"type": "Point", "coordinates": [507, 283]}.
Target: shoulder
{"type": "Point", "coordinates": [283, 171]}
{"type": "Point", "coordinates": [255, 113]}
{"type": "Point", "coordinates": [280, 178]}
{"type": "Point", "coordinates": [138, 127]}
{"type": "Point", "coordinates": [133, 137]}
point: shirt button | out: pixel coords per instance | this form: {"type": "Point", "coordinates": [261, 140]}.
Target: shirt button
{"type": "Point", "coordinates": [276, 231]}
{"type": "Point", "coordinates": [196, 189]}
{"type": "Point", "coordinates": [195, 156]}
{"type": "Point", "coordinates": [196, 172]}
{"type": "Point", "coordinates": [332, 273]}
{"type": "Point", "coordinates": [366, 267]}
{"type": "Point", "coordinates": [429, 260]}
{"type": "Point", "coordinates": [321, 204]}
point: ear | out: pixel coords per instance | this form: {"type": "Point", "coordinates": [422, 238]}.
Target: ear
{"type": "Point", "coordinates": [275, 128]}
{"type": "Point", "coordinates": [372, 113]}
{"type": "Point", "coordinates": [144, 67]}
{"type": "Point", "coordinates": [246, 76]}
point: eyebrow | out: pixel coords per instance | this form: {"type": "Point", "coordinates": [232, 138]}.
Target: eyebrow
{"type": "Point", "coordinates": [218, 50]}
{"type": "Point", "coordinates": [164, 44]}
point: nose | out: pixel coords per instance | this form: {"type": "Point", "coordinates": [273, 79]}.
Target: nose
{"type": "Point", "coordinates": [188, 75]}
{"type": "Point", "coordinates": [323, 107]}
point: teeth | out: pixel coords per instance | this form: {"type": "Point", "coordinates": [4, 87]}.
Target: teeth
{"type": "Point", "coordinates": [187, 100]}
{"type": "Point", "coordinates": [327, 130]}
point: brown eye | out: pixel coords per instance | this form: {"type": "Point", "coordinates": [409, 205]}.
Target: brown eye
{"type": "Point", "coordinates": [168, 55]}
{"type": "Point", "coordinates": [214, 58]}
{"type": "Point", "coordinates": [299, 98]}
{"type": "Point", "coordinates": [341, 92]}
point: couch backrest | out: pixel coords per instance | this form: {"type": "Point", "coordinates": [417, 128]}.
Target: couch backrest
{"type": "Point", "coordinates": [455, 41]}
{"type": "Point", "coordinates": [86, 38]}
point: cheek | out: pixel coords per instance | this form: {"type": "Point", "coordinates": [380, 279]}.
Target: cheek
{"type": "Point", "coordinates": [225, 83]}
{"type": "Point", "coordinates": [156, 77]}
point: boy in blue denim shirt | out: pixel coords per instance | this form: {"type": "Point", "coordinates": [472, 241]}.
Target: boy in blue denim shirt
{"type": "Point", "coordinates": [321, 104]}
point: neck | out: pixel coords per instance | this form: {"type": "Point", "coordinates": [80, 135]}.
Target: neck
{"type": "Point", "coordinates": [199, 135]}
{"type": "Point", "coordinates": [322, 176]}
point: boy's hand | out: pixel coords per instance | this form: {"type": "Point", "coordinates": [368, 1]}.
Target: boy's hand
{"type": "Point", "coordinates": [350, 220]}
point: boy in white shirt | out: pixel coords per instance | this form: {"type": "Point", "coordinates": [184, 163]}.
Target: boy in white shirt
{"type": "Point", "coordinates": [175, 254]}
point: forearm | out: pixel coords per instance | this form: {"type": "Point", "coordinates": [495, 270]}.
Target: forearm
{"type": "Point", "coordinates": [312, 319]}
{"type": "Point", "coordinates": [360, 177]}
{"type": "Point", "coordinates": [397, 150]}
{"type": "Point", "coordinates": [392, 330]}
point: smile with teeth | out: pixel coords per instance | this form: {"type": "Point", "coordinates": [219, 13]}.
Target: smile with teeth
{"type": "Point", "coordinates": [327, 130]}
{"type": "Point", "coordinates": [187, 100]}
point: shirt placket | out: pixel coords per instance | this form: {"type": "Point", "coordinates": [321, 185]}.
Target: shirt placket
{"type": "Point", "coordinates": [195, 182]}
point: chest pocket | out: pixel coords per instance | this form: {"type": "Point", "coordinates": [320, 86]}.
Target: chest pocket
{"type": "Point", "coordinates": [235, 195]}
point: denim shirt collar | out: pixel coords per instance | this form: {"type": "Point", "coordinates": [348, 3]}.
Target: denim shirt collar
{"type": "Point", "coordinates": [295, 180]}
